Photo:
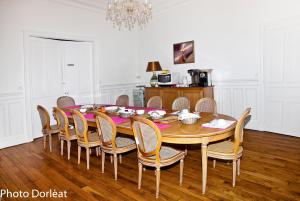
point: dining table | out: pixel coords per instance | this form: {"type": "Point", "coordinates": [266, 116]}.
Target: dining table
{"type": "Point", "coordinates": [176, 132]}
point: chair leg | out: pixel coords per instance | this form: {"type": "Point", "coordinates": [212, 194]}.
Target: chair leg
{"type": "Point", "coordinates": [140, 175]}
{"type": "Point", "coordinates": [238, 167]}
{"type": "Point", "coordinates": [233, 172]}
{"type": "Point", "coordinates": [103, 161]}
{"type": "Point", "coordinates": [120, 158]}
{"type": "Point", "coordinates": [116, 166]}
{"type": "Point", "coordinates": [181, 172]}
{"type": "Point", "coordinates": [97, 151]}
{"type": "Point", "coordinates": [79, 153]}
{"type": "Point", "coordinates": [157, 181]}
{"type": "Point", "coordinates": [62, 147]}
{"type": "Point", "coordinates": [50, 142]}
{"type": "Point", "coordinates": [87, 158]}
{"type": "Point", "coordinates": [44, 137]}
{"type": "Point", "coordinates": [69, 149]}
{"type": "Point", "coordinates": [186, 149]}
{"type": "Point", "coordinates": [214, 163]}
{"type": "Point", "coordinates": [111, 159]}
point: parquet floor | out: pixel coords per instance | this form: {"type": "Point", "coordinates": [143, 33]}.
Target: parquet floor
{"type": "Point", "coordinates": [270, 170]}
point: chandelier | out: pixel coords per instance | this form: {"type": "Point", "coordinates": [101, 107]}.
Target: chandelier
{"type": "Point", "coordinates": [128, 13]}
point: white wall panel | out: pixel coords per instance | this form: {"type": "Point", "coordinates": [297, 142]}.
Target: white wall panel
{"type": "Point", "coordinates": [233, 98]}
{"type": "Point", "coordinates": [12, 122]}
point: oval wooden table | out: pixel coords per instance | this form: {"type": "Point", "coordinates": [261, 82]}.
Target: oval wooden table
{"type": "Point", "coordinates": [178, 133]}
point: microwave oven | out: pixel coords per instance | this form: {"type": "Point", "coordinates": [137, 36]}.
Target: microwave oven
{"type": "Point", "coordinates": [168, 79]}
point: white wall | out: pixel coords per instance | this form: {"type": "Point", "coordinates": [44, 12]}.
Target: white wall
{"type": "Point", "coordinates": [228, 38]}
{"type": "Point", "coordinates": [114, 52]}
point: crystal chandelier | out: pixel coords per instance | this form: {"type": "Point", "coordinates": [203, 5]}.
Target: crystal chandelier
{"type": "Point", "coordinates": [128, 13]}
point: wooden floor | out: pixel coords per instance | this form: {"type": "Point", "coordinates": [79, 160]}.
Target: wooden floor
{"type": "Point", "coordinates": [270, 170]}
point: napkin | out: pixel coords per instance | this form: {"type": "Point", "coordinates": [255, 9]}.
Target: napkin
{"type": "Point", "coordinates": [218, 123]}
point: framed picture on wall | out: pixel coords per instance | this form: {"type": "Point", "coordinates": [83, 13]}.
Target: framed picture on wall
{"type": "Point", "coordinates": [184, 52]}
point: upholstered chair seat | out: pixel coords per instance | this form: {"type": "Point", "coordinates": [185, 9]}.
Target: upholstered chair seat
{"type": "Point", "coordinates": [110, 143]}
{"type": "Point", "coordinates": [71, 137]}
{"type": "Point", "coordinates": [167, 157]}
{"type": "Point", "coordinates": [223, 149]}
{"type": "Point", "coordinates": [93, 139]}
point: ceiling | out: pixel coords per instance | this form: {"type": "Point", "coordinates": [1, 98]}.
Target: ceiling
{"type": "Point", "coordinates": [157, 5]}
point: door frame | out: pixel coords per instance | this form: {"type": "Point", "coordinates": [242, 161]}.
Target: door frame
{"type": "Point", "coordinates": [27, 34]}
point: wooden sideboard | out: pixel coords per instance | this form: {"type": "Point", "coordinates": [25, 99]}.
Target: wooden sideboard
{"type": "Point", "coordinates": [169, 94]}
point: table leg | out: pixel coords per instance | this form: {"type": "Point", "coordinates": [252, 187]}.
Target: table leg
{"type": "Point", "coordinates": [204, 165]}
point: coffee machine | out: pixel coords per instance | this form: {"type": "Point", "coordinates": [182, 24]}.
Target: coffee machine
{"type": "Point", "coordinates": [200, 78]}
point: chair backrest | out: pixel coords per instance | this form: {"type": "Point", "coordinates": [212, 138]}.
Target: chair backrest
{"type": "Point", "coordinates": [65, 101]}
{"type": "Point", "coordinates": [206, 105]}
{"type": "Point", "coordinates": [181, 103]}
{"type": "Point", "coordinates": [81, 126]}
{"type": "Point", "coordinates": [62, 121]}
{"type": "Point", "coordinates": [122, 100]}
{"type": "Point", "coordinates": [147, 137]}
{"type": "Point", "coordinates": [107, 130]}
{"type": "Point", "coordinates": [239, 130]}
{"type": "Point", "coordinates": [45, 118]}
{"type": "Point", "coordinates": [155, 102]}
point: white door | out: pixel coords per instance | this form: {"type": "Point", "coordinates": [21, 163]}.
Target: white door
{"type": "Point", "coordinates": [51, 75]}
{"type": "Point", "coordinates": [281, 78]}
{"type": "Point", "coordinates": [77, 71]}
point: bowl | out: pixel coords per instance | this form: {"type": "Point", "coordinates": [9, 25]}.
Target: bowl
{"type": "Point", "coordinates": [157, 114]}
{"type": "Point", "coordinates": [189, 120]}
{"type": "Point", "coordinates": [125, 114]}
{"type": "Point", "coordinates": [111, 109]}
{"type": "Point", "coordinates": [140, 112]}
{"type": "Point", "coordinates": [83, 110]}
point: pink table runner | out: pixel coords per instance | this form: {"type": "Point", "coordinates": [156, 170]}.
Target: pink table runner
{"type": "Point", "coordinates": [119, 120]}
{"type": "Point", "coordinates": [162, 126]}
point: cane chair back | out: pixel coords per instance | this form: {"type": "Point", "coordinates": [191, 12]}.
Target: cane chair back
{"type": "Point", "coordinates": [107, 130]}
{"type": "Point", "coordinates": [45, 118]}
{"type": "Point", "coordinates": [155, 102]}
{"type": "Point", "coordinates": [206, 105]}
{"type": "Point", "coordinates": [122, 100]}
{"type": "Point", "coordinates": [181, 103]}
{"type": "Point", "coordinates": [65, 101]}
{"type": "Point", "coordinates": [239, 130]}
{"type": "Point", "coordinates": [62, 122]}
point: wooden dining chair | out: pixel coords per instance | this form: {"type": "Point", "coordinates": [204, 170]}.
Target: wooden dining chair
{"type": "Point", "coordinates": [65, 101]}
{"type": "Point", "coordinates": [110, 143]}
{"type": "Point", "coordinates": [47, 128]}
{"type": "Point", "coordinates": [231, 150]}
{"type": "Point", "coordinates": [85, 138]}
{"type": "Point", "coordinates": [65, 132]}
{"type": "Point", "coordinates": [151, 152]}
{"type": "Point", "coordinates": [122, 100]}
{"type": "Point", "coordinates": [155, 102]}
{"type": "Point", "coordinates": [206, 105]}
{"type": "Point", "coordinates": [181, 103]}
